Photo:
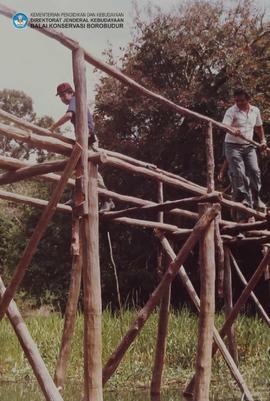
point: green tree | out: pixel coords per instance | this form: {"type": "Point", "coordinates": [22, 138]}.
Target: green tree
{"type": "Point", "coordinates": [18, 103]}
{"type": "Point", "coordinates": [194, 56]}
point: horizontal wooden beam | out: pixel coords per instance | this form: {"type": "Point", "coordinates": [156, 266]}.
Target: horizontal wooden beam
{"type": "Point", "coordinates": [185, 186]}
{"type": "Point", "coordinates": [24, 173]}
{"type": "Point", "coordinates": [165, 207]}
{"type": "Point", "coordinates": [40, 229]}
{"type": "Point", "coordinates": [4, 115]}
{"type": "Point", "coordinates": [36, 141]}
{"type": "Point", "coordinates": [237, 228]}
{"type": "Point", "coordinates": [114, 72]}
{"type": "Point", "coordinates": [28, 200]}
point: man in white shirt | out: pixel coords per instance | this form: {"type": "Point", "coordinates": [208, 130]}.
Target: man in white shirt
{"type": "Point", "coordinates": [241, 155]}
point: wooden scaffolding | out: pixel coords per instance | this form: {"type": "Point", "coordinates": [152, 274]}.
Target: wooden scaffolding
{"type": "Point", "coordinates": [214, 234]}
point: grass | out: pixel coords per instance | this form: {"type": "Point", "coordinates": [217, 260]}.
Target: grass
{"type": "Point", "coordinates": [253, 339]}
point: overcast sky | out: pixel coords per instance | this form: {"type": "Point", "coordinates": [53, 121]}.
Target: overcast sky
{"type": "Point", "coordinates": [36, 64]}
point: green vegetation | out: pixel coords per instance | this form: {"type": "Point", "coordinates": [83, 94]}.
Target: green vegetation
{"type": "Point", "coordinates": [253, 339]}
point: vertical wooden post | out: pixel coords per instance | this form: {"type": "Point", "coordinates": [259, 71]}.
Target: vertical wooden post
{"type": "Point", "coordinates": [163, 316]}
{"type": "Point", "coordinates": [71, 307]}
{"type": "Point", "coordinates": [210, 158]}
{"type": "Point", "coordinates": [196, 301]}
{"type": "Point", "coordinates": [210, 188]}
{"type": "Point", "coordinates": [267, 271]}
{"type": "Point", "coordinates": [207, 312]}
{"type": "Point", "coordinates": [31, 351]}
{"type": "Point", "coordinates": [228, 299]}
{"type": "Point", "coordinates": [160, 269]}
{"type": "Point", "coordinates": [90, 243]}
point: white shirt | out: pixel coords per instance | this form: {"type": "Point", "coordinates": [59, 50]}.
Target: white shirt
{"type": "Point", "coordinates": [244, 120]}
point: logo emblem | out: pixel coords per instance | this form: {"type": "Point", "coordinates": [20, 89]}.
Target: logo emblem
{"type": "Point", "coordinates": [20, 20]}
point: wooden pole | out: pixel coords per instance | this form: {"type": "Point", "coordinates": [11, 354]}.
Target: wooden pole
{"type": "Point", "coordinates": [28, 200]}
{"type": "Point", "coordinates": [210, 158]}
{"type": "Point", "coordinates": [39, 231]}
{"type": "Point", "coordinates": [90, 242]}
{"type": "Point", "coordinates": [71, 307]}
{"type": "Point", "coordinates": [164, 206]}
{"type": "Point", "coordinates": [196, 301]}
{"type": "Point", "coordinates": [112, 71]}
{"type": "Point", "coordinates": [211, 188]}
{"type": "Point", "coordinates": [244, 296]}
{"type": "Point", "coordinates": [207, 312]}
{"type": "Point", "coordinates": [163, 322]}
{"type": "Point", "coordinates": [31, 351]}
{"type": "Point", "coordinates": [31, 171]}
{"type": "Point", "coordinates": [30, 126]}
{"type": "Point", "coordinates": [238, 305]}
{"type": "Point", "coordinates": [228, 304]}
{"type": "Point", "coordinates": [50, 144]}
{"type": "Point", "coordinates": [267, 271]}
{"type": "Point", "coordinates": [188, 186]}
{"type": "Point", "coordinates": [155, 297]}
{"type": "Point", "coordinates": [261, 310]}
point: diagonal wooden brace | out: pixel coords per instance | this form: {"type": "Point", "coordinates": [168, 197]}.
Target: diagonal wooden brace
{"type": "Point", "coordinates": [155, 297]}
{"type": "Point", "coordinates": [222, 347]}
{"type": "Point", "coordinates": [261, 310]}
{"type": "Point", "coordinates": [31, 351]}
{"type": "Point", "coordinates": [240, 302]}
{"type": "Point", "coordinates": [39, 231]}
{"type": "Point", "coordinates": [244, 296]}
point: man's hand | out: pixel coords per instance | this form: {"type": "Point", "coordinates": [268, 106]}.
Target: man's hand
{"type": "Point", "coordinates": [51, 128]}
{"type": "Point", "coordinates": [263, 146]}
{"type": "Point", "coordinates": [237, 132]}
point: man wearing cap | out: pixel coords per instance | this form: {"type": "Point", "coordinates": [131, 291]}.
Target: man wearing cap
{"type": "Point", "coordinates": [241, 155]}
{"type": "Point", "coordinates": [67, 96]}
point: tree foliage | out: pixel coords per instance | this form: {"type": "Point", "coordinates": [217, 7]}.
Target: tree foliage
{"type": "Point", "coordinates": [194, 57]}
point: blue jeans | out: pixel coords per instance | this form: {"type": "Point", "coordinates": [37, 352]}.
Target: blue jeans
{"type": "Point", "coordinates": [244, 171]}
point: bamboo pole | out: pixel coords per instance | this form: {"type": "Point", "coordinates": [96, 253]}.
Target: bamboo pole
{"type": "Point", "coordinates": [163, 321]}
{"type": "Point", "coordinates": [31, 171]}
{"type": "Point", "coordinates": [28, 200]}
{"type": "Point", "coordinates": [31, 351]}
{"type": "Point", "coordinates": [90, 243]}
{"type": "Point", "coordinates": [145, 312]}
{"type": "Point", "coordinates": [38, 233]}
{"type": "Point", "coordinates": [71, 307]}
{"type": "Point", "coordinates": [30, 126]}
{"type": "Point", "coordinates": [261, 310]}
{"type": "Point", "coordinates": [228, 304]}
{"type": "Point", "coordinates": [207, 311]}
{"type": "Point", "coordinates": [196, 301]}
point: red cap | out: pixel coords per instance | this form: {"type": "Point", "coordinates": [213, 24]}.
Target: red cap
{"type": "Point", "coordinates": [63, 88]}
